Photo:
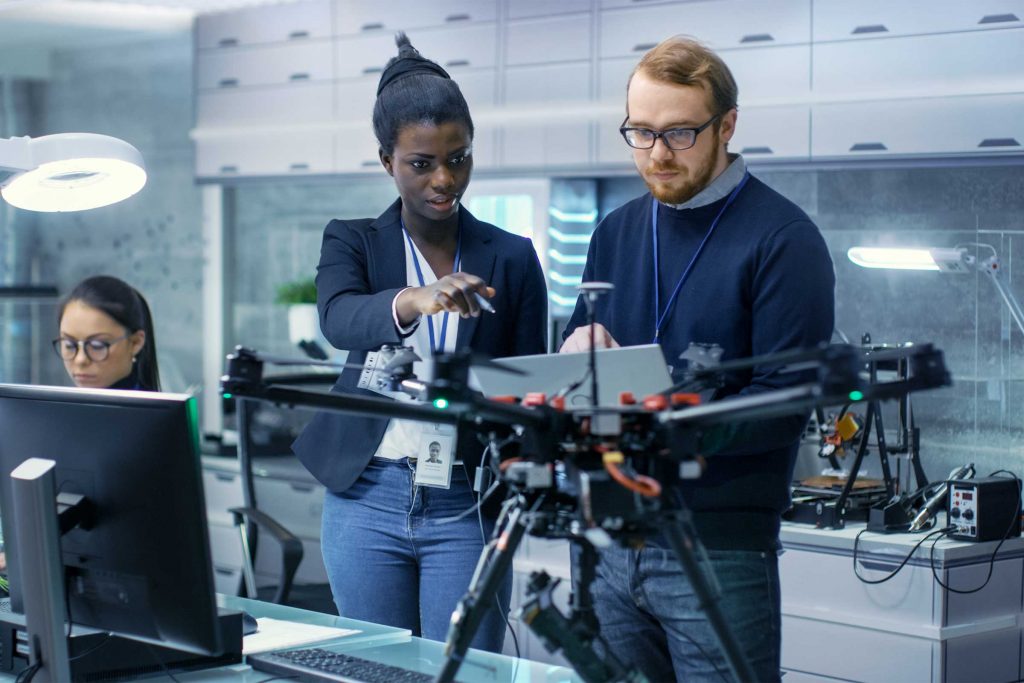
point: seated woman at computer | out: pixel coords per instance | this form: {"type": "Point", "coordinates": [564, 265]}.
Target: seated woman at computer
{"type": "Point", "coordinates": [106, 336]}
{"type": "Point", "coordinates": [425, 273]}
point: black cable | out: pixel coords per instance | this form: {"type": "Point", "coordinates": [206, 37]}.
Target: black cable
{"type": "Point", "coordinates": [992, 559]}
{"type": "Point", "coordinates": [28, 673]}
{"type": "Point", "coordinates": [856, 542]}
{"type": "Point", "coordinates": [93, 648]}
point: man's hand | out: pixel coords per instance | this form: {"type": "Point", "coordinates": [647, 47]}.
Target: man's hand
{"type": "Point", "coordinates": [579, 340]}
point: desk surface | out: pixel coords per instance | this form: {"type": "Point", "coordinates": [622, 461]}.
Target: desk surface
{"type": "Point", "coordinates": [384, 644]}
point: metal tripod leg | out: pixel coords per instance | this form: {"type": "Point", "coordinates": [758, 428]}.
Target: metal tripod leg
{"type": "Point", "coordinates": [686, 545]}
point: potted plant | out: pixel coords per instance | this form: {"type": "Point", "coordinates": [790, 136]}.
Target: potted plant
{"type": "Point", "coordinates": [303, 321]}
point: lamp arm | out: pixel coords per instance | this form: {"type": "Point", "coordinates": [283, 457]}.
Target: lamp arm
{"type": "Point", "coordinates": [992, 269]}
{"type": "Point", "coordinates": [15, 155]}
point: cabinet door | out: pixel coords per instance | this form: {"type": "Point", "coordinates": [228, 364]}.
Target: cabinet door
{"type": "Point", "coordinates": [267, 65]}
{"type": "Point", "coordinates": [771, 133]}
{"type": "Point", "coordinates": [462, 47]}
{"type": "Point", "coordinates": [287, 104]}
{"type": "Point", "coordinates": [267, 24]}
{"type": "Point", "coordinates": [530, 140]}
{"type": "Point", "coordinates": [270, 154]}
{"type": "Point", "coordinates": [370, 16]}
{"type": "Point", "coordinates": [721, 25]}
{"type": "Point", "coordinates": [948, 64]}
{"type": "Point", "coordinates": [520, 9]}
{"type": "Point", "coordinates": [356, 149]}
{"type": "Point", "coordinates": [982, 124]}
{"type": "Point", "coordinates": [845, 20]}
{"type": "Point", "coordinates": [539, 41]}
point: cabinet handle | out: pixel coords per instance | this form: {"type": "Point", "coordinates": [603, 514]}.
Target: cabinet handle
{"type": "Point", "coordinates": [220, 476]}
{"type": "Point", "coordinates": [644, 47]}
{"type": "Point", "coordinates": [998, 18]}
{"type": "Point", "coordinates": [999, 142]}
{"type": "Point", "coordinates": [756, 150]}
{"type": "Point", "coordinates": [372, 70]}
{"type": "Point", "coordinates": [758, 38]}
{"type": "Point", "coordinates": [302, 488]}
{"type": "Point", "coordinates": [370, 162]}
{"type": "Point", "coordinates": [229, 169]}
{"type": "Point", "coordinates": [299, 77]}
{"type": "Point", "coordinates": [870, 28]}
{"type": "Point", "coordinates": [877, 566]}
{"type": "Point", "coordinates": [227, 42]}
{"type": "Point", "coordinates": [452, 18]}
{"type": "Point", "coordinates": [298, 35]}
{"type": "Point", "coordinates": [224, 572]}
{"type": "Point", "coordinates": [372, 26]}
{"type": "Point", "coordinates": [299, 167]}
{"type": "Point", "coordinates": [227, 83]}
{"type": "Point", "coordinates": [457, 62]}
{"type": "Point", "coordinates": [869, 147]}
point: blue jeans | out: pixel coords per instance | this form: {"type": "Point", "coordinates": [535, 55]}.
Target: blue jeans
{"type": "Point", "coordinates": [391, 560]}
{"type": "Point", "coordinates": [651, 619]}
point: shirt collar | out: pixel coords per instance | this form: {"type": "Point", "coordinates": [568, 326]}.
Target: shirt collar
{"type": "Point", "coordinates": [720, 187]}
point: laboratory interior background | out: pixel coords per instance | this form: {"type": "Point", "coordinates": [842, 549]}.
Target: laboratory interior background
{"type": "Point", "coordinates": [891, 124]}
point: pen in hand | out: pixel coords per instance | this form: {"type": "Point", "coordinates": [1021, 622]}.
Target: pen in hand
{"type": "Point", "coordinates": [483, 303]}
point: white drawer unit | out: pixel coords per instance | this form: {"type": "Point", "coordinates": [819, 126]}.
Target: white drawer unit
{"type": "Point", "coordinates": [223, 491]}
{"type": "Point", "coordinates": [983, 62]}
{"type": "Point", "coordinates": [356, 150]}
{"type": "Point", "coordinates": [292, 21]}
{"type": "Point", "coordinates": [266, 65]}
{"type": "Point", "coordinates": [984, 124]}
{"type": "Point", "coordinates": [463, 46]}
{"type": "Point", "coordinates": [296, 505]}
{"type": "Point", "coordinates": [763, 76]}
{"type": "Point", "coordinates": [225, 546]}
{"type": "Point", "coordinates": [277, 105]}
{"type": "Point", "coordinates": [773, 133]}
{"type": "Point", "coordinates": [372, 16]}
{"type": "Point", "coordinates": [532, 141]}
{"type": "Point", "coordinates": [845, 20]}
{"type": "Point", "coordinates": [520, 9]}
{"type": "Point", "coordinates": [908, 628]}
{"type": "Point", "coordinates": [611, 148]}
{"type": "Point", "coordinates": [266, 154]}
{"type": "Point", "coordinates": [540, 41]}
{"type": "Point", "coordinates": [268, 563]}
{"type": "Point", "coordinates": [722, 24]}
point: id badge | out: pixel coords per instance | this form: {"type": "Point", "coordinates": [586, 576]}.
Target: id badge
{"type": "Point", "coordinates": [435, 456]}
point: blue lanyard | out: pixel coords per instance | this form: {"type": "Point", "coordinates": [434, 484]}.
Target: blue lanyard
{"type": "Point", "coordinates": [659, 315]}
{"type": "Point", "coordinates": [419, 275]}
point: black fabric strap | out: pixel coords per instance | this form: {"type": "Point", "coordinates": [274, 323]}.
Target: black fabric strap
{"type": "Point", "coordinates": [409, 66]}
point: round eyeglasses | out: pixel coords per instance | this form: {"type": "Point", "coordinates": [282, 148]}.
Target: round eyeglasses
{"type": "Point", "coordinates": [676, 139]}
{"type": "Point", "coordinates": [97, 350]}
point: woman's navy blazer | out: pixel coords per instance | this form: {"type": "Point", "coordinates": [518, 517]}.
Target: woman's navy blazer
{"type": "Point", "coordinates": [362, 268]}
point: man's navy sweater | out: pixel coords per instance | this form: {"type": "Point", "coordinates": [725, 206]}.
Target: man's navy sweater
{"type": "Point", "coordinates": [763, 283]}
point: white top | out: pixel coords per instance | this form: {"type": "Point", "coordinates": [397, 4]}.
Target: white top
{"type": "Point", "coordinates": [402, 437]}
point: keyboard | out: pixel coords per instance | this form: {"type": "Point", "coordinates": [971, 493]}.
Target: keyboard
{"type": "Point", "coordinates": [316, 664]}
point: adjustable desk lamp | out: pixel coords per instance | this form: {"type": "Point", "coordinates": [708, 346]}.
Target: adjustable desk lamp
{"type": "Point", "coordinates": [957, 260]}
{"type": "Point", "coordinates": [68, 171]}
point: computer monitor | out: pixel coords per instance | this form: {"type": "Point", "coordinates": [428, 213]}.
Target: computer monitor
{"type": "Point", "coordinates": [143, 570]}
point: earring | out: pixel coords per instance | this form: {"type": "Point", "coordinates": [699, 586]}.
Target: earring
{"type": "Point", "coordinates": [134, 358]}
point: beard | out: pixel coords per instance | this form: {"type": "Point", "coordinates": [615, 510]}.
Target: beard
{"type": "Point", "coordinates": [684, 187]}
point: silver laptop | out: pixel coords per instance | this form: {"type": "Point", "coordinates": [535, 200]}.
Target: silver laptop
{"type": "Point", "coordinates": [639, 369]}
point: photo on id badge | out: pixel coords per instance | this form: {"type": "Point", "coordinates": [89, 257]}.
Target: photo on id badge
{"type": "Point", "coordinates": [435, 456]}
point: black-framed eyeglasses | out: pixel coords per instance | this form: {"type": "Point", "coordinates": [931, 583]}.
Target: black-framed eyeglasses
{"type": "Point", "coordinates": [674, 138]}
{"type": "Point", "coordinates": [97, 350]}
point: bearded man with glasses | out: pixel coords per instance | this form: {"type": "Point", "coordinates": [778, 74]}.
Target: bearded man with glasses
{"type": "Point", "coordinates": [710, 255]}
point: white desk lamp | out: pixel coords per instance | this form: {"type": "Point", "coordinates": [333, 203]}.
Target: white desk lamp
{"type": "Point", "coordinates": [958, 260]}
{"type": "Point", "coordinates": [69, 171]}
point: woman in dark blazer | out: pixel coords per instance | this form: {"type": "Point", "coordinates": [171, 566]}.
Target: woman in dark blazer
{"type": "Point", "coordinates": [414, 276]}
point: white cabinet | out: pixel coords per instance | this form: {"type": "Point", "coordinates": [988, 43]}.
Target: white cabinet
{"type": "Point", "coordinates": [845, 20]}
{"type": "Point", "coordinates": [519, 9]}
{"type": "Point", "coordinates": [989, 124]}
{"type": "Point", "coordinates": [722, 24]}
{"type": "Point", "coordinates": [369, 16]}
{"type": "Point", "coordinates": [265, 65]}
{"type": "Point", "coordinates": [773, 133]}
{"type": "Point", "coordinates": [268, 154]}
{"type": "Point", "coordinates": [293, 21]}
{"type": "Point", "coordinates": [991, 61]}
{"type": "Point", "coordinates": [550, 140]}
{"type": "Point", "coordinates": [462, 46]}
{"type": "Point", "coordinates": [356, 149]}
{"type": "Point", "coordinates": [283, 105]}
{"type": "Point", "coordinates": [540, 41]}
